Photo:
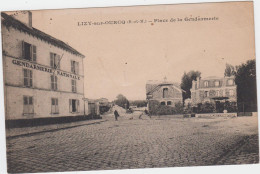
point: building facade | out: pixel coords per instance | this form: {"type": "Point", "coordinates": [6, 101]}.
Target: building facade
{"type": "Point", "coordinates": [43, 76]}
{"type": "Point", "coordinates": [165, 92]}
{"type": "Point", "coordinates": [213, 89]}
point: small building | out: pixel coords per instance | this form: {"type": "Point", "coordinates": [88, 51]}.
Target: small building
{"type": "Point", "coordinates": [43, 76]}
{"type": "Point", "coordinates": [92, 107]}
{"type": "Point", "coordinates": [215, 90]}
{"type": "Point", "coordinates": [165, 92]}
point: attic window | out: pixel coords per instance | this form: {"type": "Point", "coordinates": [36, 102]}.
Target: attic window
{"type": "Point", "coordinates": [165, 92]}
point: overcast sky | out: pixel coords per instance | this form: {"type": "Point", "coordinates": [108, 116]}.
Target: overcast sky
{"type": "Point", "coordinates": [121, 58]}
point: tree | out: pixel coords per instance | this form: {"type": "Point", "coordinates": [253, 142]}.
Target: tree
{"type": "Point", "coordinates": [246, 86]}
{"type": "Point", "coordinates": [122, 101]}
{"type": "Point", "coordinates": [230, 70]}
{"type": "Point", "coordinates": [186, 82]}
{"type": "Point", "coordinates": [139, 103]}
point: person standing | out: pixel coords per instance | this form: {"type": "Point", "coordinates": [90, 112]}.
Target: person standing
{"type": "Point", "coordinates": [116, 115]}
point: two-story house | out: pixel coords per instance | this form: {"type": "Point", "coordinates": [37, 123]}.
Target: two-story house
{"type": "Point", "coordinates": [165, 92]}
{"type": "Point", "coordinates": [43, 76]}
{"type": "Point", "coordinates": [213, 89]}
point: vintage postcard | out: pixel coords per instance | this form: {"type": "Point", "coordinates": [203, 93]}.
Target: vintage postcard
{"type": "Point", "coordinates": [130, 87]}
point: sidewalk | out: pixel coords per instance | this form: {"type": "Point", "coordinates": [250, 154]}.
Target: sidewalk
{"type": "Point", "coordinates": [28, 131]}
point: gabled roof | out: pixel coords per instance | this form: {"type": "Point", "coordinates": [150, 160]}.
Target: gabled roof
{"type": "Point", "coordinates": [157, 86]}
{"type": "Point", "coordinates": [9, 21]}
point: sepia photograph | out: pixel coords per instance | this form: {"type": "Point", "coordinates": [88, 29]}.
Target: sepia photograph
{"type": "Point", "coordinates": [130, 87]}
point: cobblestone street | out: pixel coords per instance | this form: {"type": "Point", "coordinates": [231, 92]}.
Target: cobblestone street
{"type": "Point", "coordinates": [137, 143]}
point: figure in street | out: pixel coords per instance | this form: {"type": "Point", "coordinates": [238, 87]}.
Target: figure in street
{"type": "Point", "coordinates": [147, 113]}
{"type": "Point", "coordinates": [116, 115]}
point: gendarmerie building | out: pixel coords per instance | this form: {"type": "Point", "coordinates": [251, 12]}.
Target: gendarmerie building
{"type": "Point", "coordinates": [43, 76]}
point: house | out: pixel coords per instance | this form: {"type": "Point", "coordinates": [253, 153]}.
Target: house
{"type": "Point", "coordinates": [43, 76]}
{"type": "Point", "coordinates": [215, 90]}
{"type": "Point", "coordinates": [165, 92]}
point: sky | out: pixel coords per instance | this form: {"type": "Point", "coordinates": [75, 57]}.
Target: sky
{"type": "Point", "coordinates": [121, 58]}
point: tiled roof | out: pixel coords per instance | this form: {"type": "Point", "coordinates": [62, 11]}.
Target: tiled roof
{"type": "Point", "coordinates": [9, 21]}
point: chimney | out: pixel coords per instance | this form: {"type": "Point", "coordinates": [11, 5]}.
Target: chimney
{"type": "Point", "coordinates": [24, 17]}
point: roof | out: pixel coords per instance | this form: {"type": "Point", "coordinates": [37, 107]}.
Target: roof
{"type": "Point", "coordinates": [211, 77]}
{"type": "Point", "coordinates": [152, 86]}
{"type": "Point", "coordinates": [9, 21]}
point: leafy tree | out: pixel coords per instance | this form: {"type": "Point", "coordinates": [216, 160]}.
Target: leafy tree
{"type": "Point", "coordinates": [246, 86]}
{"type": "Point", "coordinates": [230, 70]}
{"type": "Point", "coordinates": [186, 82]}
{"type": "Point", "coordinates": [122, 101]}
{"type": "Point", "coordinates": [139, 103]}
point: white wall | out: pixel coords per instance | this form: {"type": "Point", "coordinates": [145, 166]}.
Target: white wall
{"type": "Point", "coordinates": [41, 89]}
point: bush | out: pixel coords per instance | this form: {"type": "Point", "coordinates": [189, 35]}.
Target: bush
{"type": "Point", "coordinates": [103, 109]}
{"type": "Point", "coordinates": [155, 108]}
{"type": "Point", "coordinates": [206, 108]}
{"type": "Point", "coordinates": [230, 106]}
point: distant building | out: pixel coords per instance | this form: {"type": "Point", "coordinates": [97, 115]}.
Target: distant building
{"type": "Point", "coordinates": [43, 76]}
{"type": "Point", "coordinates": [103, 101]}
{"type": "Point", "coordinates": [213, 89]}
{"type": "Point", "coordinates": [165, 92]}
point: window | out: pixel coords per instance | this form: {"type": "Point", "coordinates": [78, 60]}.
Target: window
{"type": "Point", "coordinates": [54, 106]}
{"type": "Point", "coordinates": [162, 103]}
{"type": "Point", "coordinates": [169, 103]}
{"type": "Point", "coordinates": [74, 67]}
{"type": "Point", "coordinates": [54, 82]}
{"type": "Point", "coordinates": [230, 82]}
{"type": "Point", "coordinates": [28, 105]}
{"type": "Point", "coordinates": [217, 93]}
{"type": "Point", "coordinates": [55, 61]}
{"type": "Point", "coordinates": [165, 92]}
{"type": "Point", "coordinates": [206, 84]}
{"type": "Point", "coordinates": [29, 51]}
{"type": "Point", "coordinates": [27, 77]}
{"type": "Point", "coordinates": [231, 92]}
{"type": "Point", "coordinates": [73, 85]}
{"type": "Point", "coordinates": [206, 93]}
{"type": "Point", "coordinates": [74, 105]}
{"type": "Point", "coordinates": [216, 83]}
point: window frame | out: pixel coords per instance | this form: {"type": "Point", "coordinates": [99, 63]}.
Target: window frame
{"type": "Point", "coordinates": [206, 83]}
{"type": "Point", "coordinates": [28, 106]}
{"type": "Point", "coordinates": [74, 85]}
{"type": "Point", "coordinates": [54, 82]}
{"type": "Point", "coordinates": [32, 52]}
{"type": "Point", "coordinates": [77, 105]}
{"type": "Point", "coordinates": [74, 67]}
{"type": "Point", "coordinates": [218, 83]}
{"type": "Point", "coordinates": [165, 94]}
{"type": "Point", "coordinates": [27, 78]}
{"type": "Point", "coordinates": [232, 82]}
{"type": "Point", "coordinates": [54, 106]}
{"type": "Point", "coordinates": [55, 60]}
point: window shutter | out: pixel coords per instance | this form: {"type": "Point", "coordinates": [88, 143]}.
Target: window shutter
{"type": "Point", "coordinates": [31, 79]}
{"type": "Point", "coordinates": [77, 105]}
{"type": "Point", "coordinates": [25, 100]}
{"type": "Point", "coordinates": [34, 53]}
{"type": "Point", "coordinates": [70, 105]}
{"type": "Point", "coordinates": [52, 83]}
{"type": "Point", "coordinates": [51, 60]}
{"type": "Point", "coordinates": [31, 52]}
{"type": "Point", "coordinates": [23, 51]}
{"type": "Point", "coordinates": [75, 85]}
{"type": "Point", "coordinates": [58, 61]}
{"type": "Point", "coordinates": [56, 82]}
{"type": "Point", "coordinates": [77, 67]}
{"type": "Point", "coordinates": [71, 65]}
